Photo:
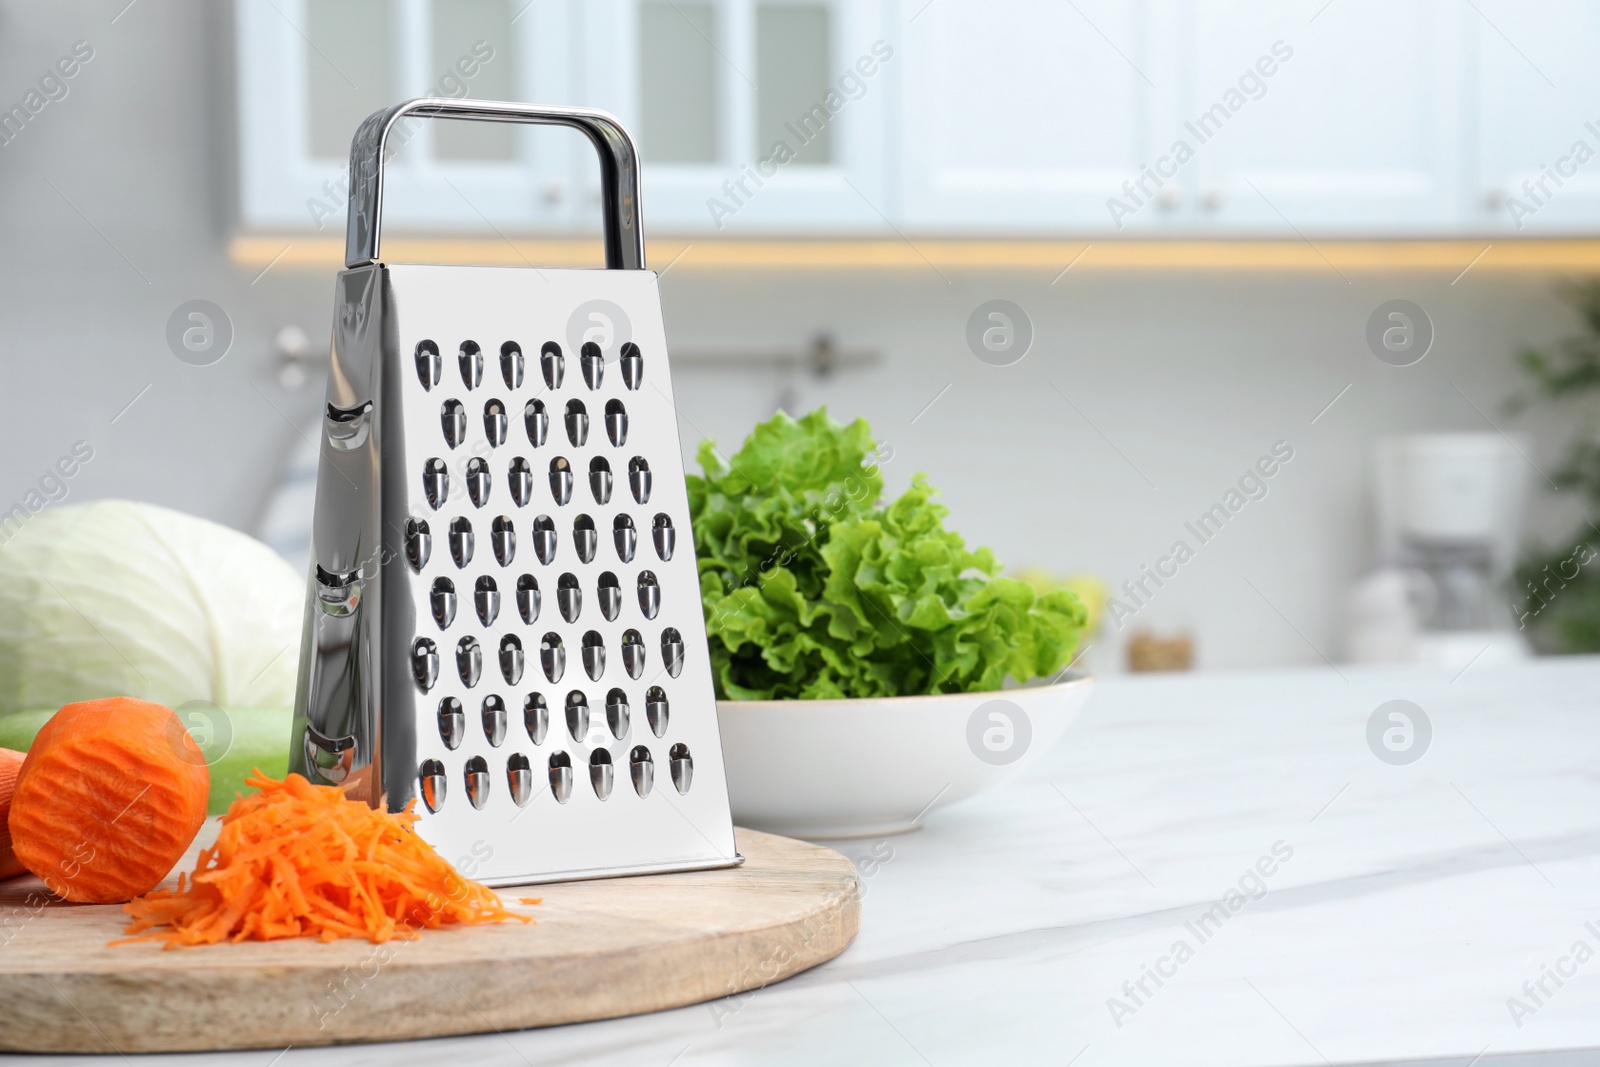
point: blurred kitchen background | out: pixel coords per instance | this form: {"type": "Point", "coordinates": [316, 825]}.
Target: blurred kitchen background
{"type": "Point", "coordinates": [1186, 315]}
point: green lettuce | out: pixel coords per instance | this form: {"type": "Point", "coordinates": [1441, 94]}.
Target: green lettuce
{"type": "Point", "coordinates": [814, 588]}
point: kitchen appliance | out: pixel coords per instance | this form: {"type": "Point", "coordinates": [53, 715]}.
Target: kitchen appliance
{"type": "Point", "coordinates": [1385, 610]}
{"type": "Point", "coordinates": [1448, 511]}
{"type": "Point", "coordinates": [503, 623]}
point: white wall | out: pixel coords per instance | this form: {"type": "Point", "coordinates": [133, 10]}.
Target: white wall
{"type": "Point", "coordinates": [1191, 377]}
{"type": "Point", "coordinates": [114, 204]}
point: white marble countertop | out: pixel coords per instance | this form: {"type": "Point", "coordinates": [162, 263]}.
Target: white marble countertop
{"type": "Point", "coordinates": [1404, 908]}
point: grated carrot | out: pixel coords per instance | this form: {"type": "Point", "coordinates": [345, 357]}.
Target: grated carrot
{"type": "Point", "coordinates": [303, 860]}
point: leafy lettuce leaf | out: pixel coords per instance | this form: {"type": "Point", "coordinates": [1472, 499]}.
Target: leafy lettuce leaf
{"type": "Point", "coordinates": [814, 588]}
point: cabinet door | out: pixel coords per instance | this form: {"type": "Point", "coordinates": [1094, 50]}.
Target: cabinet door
{"type": "Point", "coordinates": [1355, 131]}
{"type": "Point", "coordinates": [752, 116]}
{"type": "Point", "coordinates": [1538, 136]}
{"type": "Point", "coordinates": [310, 71]}
{"type": "Point", "coordinates": [1028, 116]}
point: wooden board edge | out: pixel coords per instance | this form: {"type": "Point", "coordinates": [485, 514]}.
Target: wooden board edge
{"type": "Point", "coordinates": [124, 1013]}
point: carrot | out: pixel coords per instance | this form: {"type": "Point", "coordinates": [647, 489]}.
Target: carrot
{"type": "Point", "coordinates": [10, 764]}
{"type": "Point", "coordinates": [110, 795]}
{"type": "Point", "coordinates": [303, 860]}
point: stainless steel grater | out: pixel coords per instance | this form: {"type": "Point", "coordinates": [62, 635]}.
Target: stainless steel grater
{"type": "Point", "coordinates": [503, 620]}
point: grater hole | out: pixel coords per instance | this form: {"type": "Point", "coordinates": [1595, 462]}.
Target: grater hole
{"type": "Point", "coordinates": [610, 593]}
{"type": "Point", "coordinates": [519, 778]}
{"type": "Point", "coordinates": [594, 364]}
{"type": "Point", "coordinates": [602, 775]}
{"type": "Point", "coordinates": [520, 480]}
{"type": "Point", "coordinates": [561, 777]}
{"type": "Point", "coordinates": [616, 423]}
{"type": "Point", "coordinates": [427, 357]}
{"type": "Point", "coordinates": [503, 539]}
{"type": "Point", "coordinates": [632, 365]}
{"type": "Point", "coordinates": [477, 775]}
{"type": "Point", "coordinates": [643, 768]}
{"type": "Point", "coordinates": [633, 653]}
{"type": "Point", "coordinates": [478, 481]}
{"type": "Point", "coordinates": [452, 723]}
{"type": "Point", "coordinates": [442, 600]}
{"type": "Point", "coordinates": [528, 598]}
{"type": "Point", "coordinates": [511, 364]}
{"type": "Point", "coordinates": [338, 594]}
{"type": "Point", "coordinates": [672, 651]}
{"type": "Point", "coordinates": [666, 538]}
{"type": "Point", "coordinates": [536, 717]}
{"type": "Point", "coordinates": [511, 659]}
{"type": "Point", "coordinates": [461, 541]}
{"type": "Point", "coordinates": [600, 480]}
{"type": "Point", "coordinates": [561, 479]}
{"type": "Point", "coordinates": [584, 538]}
{"type": "Point", "coordinates": [536, 420]}
{"type": "Point", "coordinates": [419, 543]}
{"type": "Point", "coordinates": [552, 364]}
{"type": "Point", "coordinates": [431, 783]}
{"type": "Point", "coordinates": [494, 720]}
{"type": "Point", "coordinates": [577, 423]}
{"type": "Point", "coordinates": [655, 710]}
{"type": "Point", "coordinates": [649, 594]}
{"type": "Point", "coordinates": [544, 539]}
{"type": "Point", "coordinates": [553, 656]}
{"type": "Point", "coordinates": [425, 663]}
{"type": "Point", "coordinates": [594, 655]}
{"type": "Point", "coordinates": [469, 661]}
{"type": "Point", "coordinates": [577, 716]}
{"type": "Point", "coordinates": [494, 422]}
{"type": "Point", "coordinates": [453, 417]}
{"type": "Point", "coordinates": [347, 429]}
{"type": "Point", "coordinates": [682, 767]}
{"type": "Point", "coordinates": [486, 599]}
{"type": "Point", "coordinates": [639, 480]}
{"type": "Point", "coordinates": [470, 357]}
{"type": "Point", "coordinates": [569, 596]}
{"type": "Point", "coordinates": [436, 482]}
{"type": "Point", "coordinates": [626, 537]}
{"type": "Point", "coordinates": [617, 713]}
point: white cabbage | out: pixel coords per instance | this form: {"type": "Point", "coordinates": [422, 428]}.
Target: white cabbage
{"type": "Point", "coordinates": [114, 598]}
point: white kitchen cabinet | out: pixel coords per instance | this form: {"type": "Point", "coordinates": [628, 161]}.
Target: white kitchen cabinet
{"type": "Point", "coordinates": [753, 116]}
{"type": "Point", "coordinates": [1025, 117]}
{"type": "Point", "coordinates": [1348, 125]}
{"type": "Point", "coordinates": [1100, 118]}
{"type": "Point", "coordinates": [1207, 117]}
{"type": "Point", "coordinates": [310, 70]}
{"type": "Point", "coordinates": [1536, 102]}
{"type": "Point", "coordinates": [815, 74]}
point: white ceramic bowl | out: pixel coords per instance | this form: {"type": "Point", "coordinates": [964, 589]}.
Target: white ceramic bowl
{"type": "Point", "coordinates": [864, 768]}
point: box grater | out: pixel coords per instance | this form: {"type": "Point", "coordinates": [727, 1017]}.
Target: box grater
{"type": "Point", "coordinates": [503, 620]}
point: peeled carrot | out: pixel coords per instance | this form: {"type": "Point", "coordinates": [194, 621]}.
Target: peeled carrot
{"type": "Point", "coordinates": [110, 795]}
{"type": "Point", "coordinates": [10, 764]}
{"type": "Point", "coordinates": [303, 860]}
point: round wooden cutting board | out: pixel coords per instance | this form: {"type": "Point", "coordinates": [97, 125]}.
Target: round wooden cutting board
{"type": "Point", "coordinates": [600, 949]}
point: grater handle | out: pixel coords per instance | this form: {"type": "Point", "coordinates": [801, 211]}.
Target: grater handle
{"type": "Point", "coordinates": [619, 170]}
